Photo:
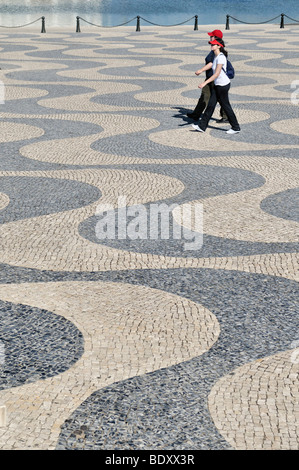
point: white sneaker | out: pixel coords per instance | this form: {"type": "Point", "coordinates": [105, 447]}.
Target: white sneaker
{"type": "Point", "coordinates": [197, 128]}
{"type": "Point", "coordinates": [231, 131]}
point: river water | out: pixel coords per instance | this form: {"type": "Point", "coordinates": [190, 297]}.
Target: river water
{"type": "Point", "coordinates": [161, 12]}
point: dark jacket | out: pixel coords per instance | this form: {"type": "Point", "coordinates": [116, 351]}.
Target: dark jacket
{"type": "Point", "coordinates": [209, 58]}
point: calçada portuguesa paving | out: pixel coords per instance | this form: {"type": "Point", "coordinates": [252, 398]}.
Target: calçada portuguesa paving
{"type": "Point", "coordinates": [140, 344]}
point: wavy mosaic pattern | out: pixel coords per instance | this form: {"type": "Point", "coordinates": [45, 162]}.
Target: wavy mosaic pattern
{"type": "Point", "coordinates": [138, 343]}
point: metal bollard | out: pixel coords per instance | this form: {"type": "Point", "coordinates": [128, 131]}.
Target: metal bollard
{"type": "Point", "coordinates": [196, 23]}
{"type": "Point", "coordinates": [43, 25]}
{"type": "Point", "coordinates": [227, 22]}
{"type": "Point", "coordinates": [282, 21]}
{"type": "Point", "coordinates": [138, 24]}
{"type": "Point", "coordinates": [78, 25]}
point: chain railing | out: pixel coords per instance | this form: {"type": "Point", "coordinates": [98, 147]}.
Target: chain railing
{"type": "Point", "coordinates": [282, 16]}
{"type": "Point", "coordinates": [43, 28]}
{"type": "Point", "coordinates": [78, 29]}
{"type": "Point", "coordinates": [169, 25]}
{"type": "Point", "coordinates": [292, 19]}
{"type": "Point", "coordinates": [138, 18]}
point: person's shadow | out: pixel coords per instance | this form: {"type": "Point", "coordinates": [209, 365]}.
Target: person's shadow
{"type": "Point", "coordinates": [182, 114]}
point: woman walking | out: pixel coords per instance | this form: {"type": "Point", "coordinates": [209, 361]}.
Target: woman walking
{"type": "Point", "coordinates": [220, 90]}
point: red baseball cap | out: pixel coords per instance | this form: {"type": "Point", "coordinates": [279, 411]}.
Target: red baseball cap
{"type": "Point", "coordinates": [216, 42]}
{"type": "Point", "coordinates": [217, 33]}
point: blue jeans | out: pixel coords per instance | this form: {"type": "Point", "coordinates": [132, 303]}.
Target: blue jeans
{"type": "Point", "coordinates": [219, 93]}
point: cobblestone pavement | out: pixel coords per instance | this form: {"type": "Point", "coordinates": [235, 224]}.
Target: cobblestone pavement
{"type": "Point", "coordinates": [138, 343]}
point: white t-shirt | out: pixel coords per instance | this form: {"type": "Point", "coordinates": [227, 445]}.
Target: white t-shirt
{"type": "Point", "coordinates": [223, 78]}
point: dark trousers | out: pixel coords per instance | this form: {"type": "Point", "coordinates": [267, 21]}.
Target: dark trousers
{"type": "Point", "coordinates": [203, 101]}
{"type": "Point", "coordinates": [219, 94]}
